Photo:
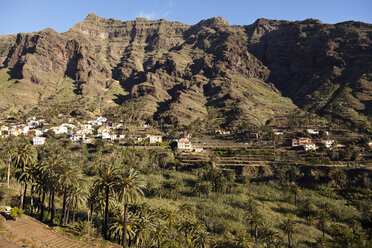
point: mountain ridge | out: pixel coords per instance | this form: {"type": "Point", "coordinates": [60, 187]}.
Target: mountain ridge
{"type": "Point", "coordinates": [176, 71]}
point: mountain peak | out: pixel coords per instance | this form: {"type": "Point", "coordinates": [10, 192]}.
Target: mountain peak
{"type": "Point", "coordinates": [214, 21]}
{"type": "Point", "coordinates": [92, 17]}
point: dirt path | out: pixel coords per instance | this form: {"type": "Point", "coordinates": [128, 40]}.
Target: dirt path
{"type": "Point", "coordinates": [40, 233]}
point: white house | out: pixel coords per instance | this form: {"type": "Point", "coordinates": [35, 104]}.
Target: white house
{"type": "Point", "coordinates": [25, 130]}
{"type": "Point", "coordinates": [59, 130]}
{"type": "Point", "coordinates": [155, 138]}
{"type": "Point", "coordinates": [198, 149]}
{"type": "Point", "coordinates": [300, 141]}
{"type": "Point", "coordinates": [184, 144]}
{"type": "Point", "coordinates": [106, 136]}
{"type": "Point", "coordinates": [78, 137]}
{"type": "Point", "coordinates": [38, 133]}
{"type": "Point", "coordinates": [278, 132]}
{"type": "Point", "coordinates": [309, 146]}
{"type": "Point", "coordinates": [313, 131]}
{"type": "Point", "coordinates": [38, 141]}
{"type": "Point", "coordinates": [223, 132]}
{"type": "Point", "coordinates": [328, 143]}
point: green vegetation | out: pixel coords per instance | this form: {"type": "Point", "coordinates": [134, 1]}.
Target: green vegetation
{"type": "Point", "coordinates": [139, 199]}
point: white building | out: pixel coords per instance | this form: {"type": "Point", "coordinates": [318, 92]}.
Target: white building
{"type": "Point", "coordinates": [78, 137]}
{"type": "Point", "coordinates": [106, 136]}
{"type": "Point", "coordinates": [25, 130]}
{"type": "Point", "coordinates": [155, 138]}
{"type": "Point", "coordinates": [223, 132]}
{"type": "Point", "coordinates": [278, 132]}
{"type": "Point", "coordinates": [38, 133]}
{"type": "Point", "coordinates": [198, 149]}
{"type": "Point", "coordinates": [59, 130]}
{"type": "Point", "coordinates": [184, 144]}
{"type": "Point", "coordinates": [38, 141]}
{"type": "Point", "coordinates": [328, 143]}
{"type": "Point", "coordinates": [309, 146]}
{"type": "Point", "coordinates": [313, 131]}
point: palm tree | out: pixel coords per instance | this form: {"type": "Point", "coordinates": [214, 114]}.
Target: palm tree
{"type": "Point", "coordinates": [242, 240]}
{"type": "Point", "coordinates": [144, 224]}
{"type": "Point", "coordinates": [24, 156]}
{"type": "Point", "coordinates": [288, 226]}
{"type": "Point", "coordinates": [118, 221]}
{"type": "Point", "coordinates": [321, 242]}
{"type": "Point", "coordinates": [10, 152]}
{"type": "Point", "coordinates": [323, 221]}
{"type": "Point", "coordinates": [186, 227]}
{"type": "Point", "coordinates": [185, 209]}
{"type": "Point", "coordinates": [130, 186]}
{"type": "Point", "coordinates": [107, 178]}
{"type": "Point", "coordinates": [69, 177]}
{"type": "Point", "coordinates": [256, 220]}
{"type": "Point", "coordinates": [201, 239]}
{"type": "Point", "coordinates": [308, 206]}
{"type": "Point", "coordinates": [295, 190]}
{"type": "Point", "coordinates": [52, 167]}
{"type": "Point", "coordinates": [158, 234]}
{"type": "Point", "coordinates": [169, 216]}
{"type": "Point", "coordinates": [79, 197]}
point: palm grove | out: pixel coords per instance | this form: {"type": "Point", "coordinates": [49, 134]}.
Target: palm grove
{"type": "Point", "coordinates": [146, 199]}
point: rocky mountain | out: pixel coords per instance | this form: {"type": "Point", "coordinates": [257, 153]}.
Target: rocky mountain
{"type": "Point", "coordinates": [174, 72]}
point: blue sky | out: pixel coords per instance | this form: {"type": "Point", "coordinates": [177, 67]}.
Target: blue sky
{"type": "Point", "coordinates": [60, 15]}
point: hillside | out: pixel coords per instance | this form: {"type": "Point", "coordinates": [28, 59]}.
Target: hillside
{"type": "Point", "coordinates": [173, 72]}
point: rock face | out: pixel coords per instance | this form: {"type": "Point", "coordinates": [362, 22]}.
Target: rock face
{"type": "Point", "coordinates": [174, 71]}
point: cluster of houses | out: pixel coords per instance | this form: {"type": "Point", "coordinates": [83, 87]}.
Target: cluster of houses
{"type": "Point", "coordinates": [81, 132]}
{"type": "Point", "coordinates": [307, 144]}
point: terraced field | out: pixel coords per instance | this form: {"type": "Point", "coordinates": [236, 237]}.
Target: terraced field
{"type": "Point", "coordinates": [31, 229]}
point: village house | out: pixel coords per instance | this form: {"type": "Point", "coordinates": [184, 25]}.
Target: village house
{"type": "Point", "coordinates": [223, 132]}
{"type": "Point", "coordinates": [300, 141]}
{"type": "Point", "coordinates": [155, 138]}
{"type": "Point", "coordinates": [328, 143]}
{"type": "Point", "coordinates": [106, 135]}
{"type": "Point", "coordinates": [103, 130]}
{"type": "Point", "coordinates": [198, 149]}
{"type": "Point", "coordinates": [184, 144]}
{"type": "Point", "coordinates": [25, 129]}
{"type": "Point", "coordinates": [309, 146]}
{"type": "Point", "coordinates": [78, 137]}
{"type": "Point", "coordinates": [38, 133]}
{"type": "Point", "coordinates": [278, 132]}
{"type": "Point", "coordinates": [98, 122]}
{"type": "Point", "coordinates": [86, 129]}
{"type": "Point", "coordinates": [59, 130]}
{"type": "Point", "coordinates": [313, 131]}
{"type": "Point", "coordinates": [38, 141]}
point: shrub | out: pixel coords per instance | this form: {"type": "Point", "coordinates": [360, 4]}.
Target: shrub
{"type": "Point", "coordinates": [16, 212]}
